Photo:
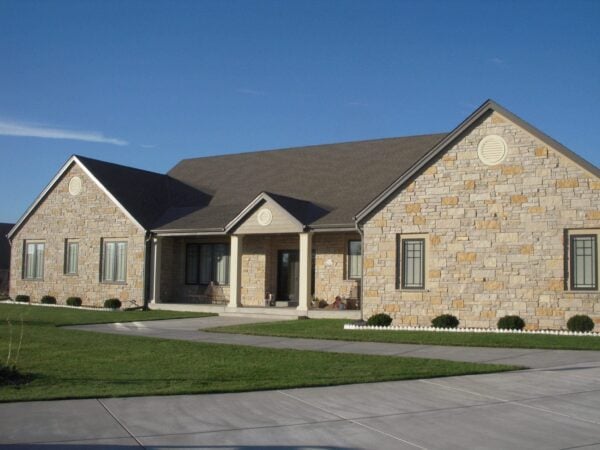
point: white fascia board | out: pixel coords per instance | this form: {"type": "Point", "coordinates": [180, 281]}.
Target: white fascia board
{"type": "Point", "coordinates": [72, 160]}
{"type": "Point", "coordinates": [108, 194]}
{"type": "Point", "coordinates": [263, 196]}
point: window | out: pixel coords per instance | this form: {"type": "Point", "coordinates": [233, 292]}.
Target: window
{"type": "Point", "coordinates": [584, 262]}
{"type": "Point", "coordinates": [114, 262]}
{"type": "Point", "coordinates": [411, 263]}
{"type": "Point", "coordinates": [33, 261]}
{"type": "Point", "coordinates": [71, 257]}
{"type": "Point", "coordinates": [207, 263]}
{"type": "Point", "coordinates": [354, 259]}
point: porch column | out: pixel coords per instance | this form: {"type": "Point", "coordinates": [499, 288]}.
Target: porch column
{"type": "Point", "coordinates": [235, 272]}
{"type": "Point", "coordinates": [305, 271]}
{"type": "Point", "coordinates": [156, 256]}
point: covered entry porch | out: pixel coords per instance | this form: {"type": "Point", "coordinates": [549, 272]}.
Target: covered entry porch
{"type": "Point", "coordinates": [303, 272]}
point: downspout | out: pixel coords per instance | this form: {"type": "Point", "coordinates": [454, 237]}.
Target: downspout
{"type": "Point", "coordinates": [362, 268]}
{"type": "Point", "coordinates": [147, 267]}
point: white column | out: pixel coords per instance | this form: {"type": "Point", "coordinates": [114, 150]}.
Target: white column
{"type": "Point", "coordinates": [156, 255]}
{"type": "Point", "coordinates": [305, 271]}
{"type": "Point", "coordinates": [235, 272]}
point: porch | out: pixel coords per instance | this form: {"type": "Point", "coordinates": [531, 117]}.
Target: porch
{"type": "Point", "coordinates": [281, 274]}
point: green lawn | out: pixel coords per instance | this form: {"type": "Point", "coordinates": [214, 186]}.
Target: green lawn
{"type": "Point", "coordinates": [334, 329]}
{"type": "Point", "coordinates": [78, 364]}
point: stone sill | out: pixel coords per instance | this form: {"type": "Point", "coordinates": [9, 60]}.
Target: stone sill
{"type": "Point", "coordinates": [469, 330]}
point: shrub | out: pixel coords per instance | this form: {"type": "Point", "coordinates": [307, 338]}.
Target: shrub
{"type": "Point", "coordinates": [511, 323]}
{"type": "Point", "coordinates": [74, 301]}
{"type": "Point", "coordinates": [48, 300]}
{"type": "Point", "coordinates": [445, 321]}
{"type": "Point", "coordinates": [380, 320]}
{"type": "Point", "coordinates": [112, 303]}
{"type": "Point", "coordinates": [22, 298]}
{"type": "Point", "coordinates": [580, 323]}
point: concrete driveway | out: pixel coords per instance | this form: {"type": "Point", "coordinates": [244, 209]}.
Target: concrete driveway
{"type": "Point", "coordinates": [556, 406]}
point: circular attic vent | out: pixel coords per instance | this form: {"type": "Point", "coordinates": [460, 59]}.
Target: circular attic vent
{"type": "Point", "coordinates": [492, 150]}
{"type": "Point", "coordinates": [265, 217]}
{"type": "Point", "coordinates": [75, 186]}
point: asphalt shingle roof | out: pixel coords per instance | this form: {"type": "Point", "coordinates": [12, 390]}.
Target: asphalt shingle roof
{"type": "Point", "coordinates": [323, 185]}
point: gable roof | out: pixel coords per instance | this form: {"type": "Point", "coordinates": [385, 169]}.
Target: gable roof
{"type": "Point", "coordinates": [486, 108]}
{"type": "Point", "coordinates": [145, 195]}
{"type": "Point", "coordinates": [322, 186]}
{"type": "Point", "coordinates": [5, 245]}
{"type": "Point", "coordinates": [142, 195]}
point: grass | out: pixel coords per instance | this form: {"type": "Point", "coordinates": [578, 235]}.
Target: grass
{"type": "Point", "coordinates": [334, 329]}
{"type": "Point", "coordinates": [69, 363]}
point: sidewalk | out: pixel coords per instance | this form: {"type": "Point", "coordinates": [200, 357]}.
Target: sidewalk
{"type": "Point", "coordinates": [533, 409]}
{"type": "Point", "coordinates": [187, 329]}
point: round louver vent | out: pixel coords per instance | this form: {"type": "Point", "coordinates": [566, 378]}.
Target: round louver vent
{"type": "Point", "coordinates": [75, 186]}
{"type": "Point", "coordinates": [492, 150]}
{"type": "Point", "coordinates": [265, 217]}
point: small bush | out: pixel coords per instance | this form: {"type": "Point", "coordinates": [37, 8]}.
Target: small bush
{"type": "Point", "coordinates": [511, 323]}
{"type": "Point", "coordinates": [380, 320]}
{"type": "Point", "coordinates": [22, 298]}
{"type": "Point", "coordinates": [112, 303]}
{"type": "Point", "coordinates": [74, 301]}
{"type": "Point", "coordinates": [48, 300]}
{"type": "Point", "coordinates": [445, 321]}
{"type": "Point", "coordinates": [580, 323]}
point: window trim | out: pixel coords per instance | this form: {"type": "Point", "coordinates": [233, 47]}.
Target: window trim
{"type": "Point", "coordinates": [400, 278]}
{"type": "Point", "coordinates": [571, 265]}
{"type": "Point", "coordinates": [102, 260]}
{"type": "Point", "coordinates": [68, 243]}
{"type": "Point", "coordinates": [348, 260]}
{"type": "Point", "coordinates": [212, 268]}
{"type": "Point", "coordinates": [34, 242]}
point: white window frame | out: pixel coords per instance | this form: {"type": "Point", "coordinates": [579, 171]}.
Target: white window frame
{"type": "Point", "coordinates": [118, 275]}
{"type": "Point", "coordinates": [350, 275]}
{"type": "Point", "coordinates": [38, 266]}
{"type": "Point", "coordinates": [69, 243]}
{"type": "Point", "coordinates": [400, 261]}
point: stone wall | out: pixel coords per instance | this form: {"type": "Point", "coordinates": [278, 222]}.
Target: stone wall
{"type": "Point", "coordinates": [494, 235]}
{"type": "Point", "coordinates": [88, 218]}
{"type": "Point", "coordinates": [259, 265]}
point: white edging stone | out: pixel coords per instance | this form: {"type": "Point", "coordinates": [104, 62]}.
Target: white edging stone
{"type": "Point", "coordinates": [12, 302]}
{"type": "Point", "coordinates": [350, 326]}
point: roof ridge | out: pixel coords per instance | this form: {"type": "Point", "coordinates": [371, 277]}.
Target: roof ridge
{"type": "Point", "coordinates": [108, 163]}
{"type": "Point", "coordinates": [311, 146]}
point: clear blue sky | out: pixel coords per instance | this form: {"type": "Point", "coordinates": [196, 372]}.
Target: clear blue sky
{"type": "Point", "coordinates": [147, 83]}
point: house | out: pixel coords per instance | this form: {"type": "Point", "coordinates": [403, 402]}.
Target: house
{"type": "Point", "coordinates": [4, 257]}
{"type": "Point", "coordinates": [493, 218]}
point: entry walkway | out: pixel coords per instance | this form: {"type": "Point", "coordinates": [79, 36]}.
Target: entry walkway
{"type": "Point", "coordinates": [187, 329]}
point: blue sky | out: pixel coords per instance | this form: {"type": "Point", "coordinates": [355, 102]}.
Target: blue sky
{"type": "Point", "coordinates": [147, 83]}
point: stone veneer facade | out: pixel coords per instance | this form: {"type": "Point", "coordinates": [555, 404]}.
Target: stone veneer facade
{"type": "Point", "coordinates": [494, 235]}
{"type": "Point", "coordinates": [87, 218]}
{"type": "Point", "coordinates": [259, 268]}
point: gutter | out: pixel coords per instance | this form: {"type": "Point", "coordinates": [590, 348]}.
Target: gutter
{"type": "Point", "coordinates": [362, 269]}
{"type": "Point", "coordinates": [147, 267]}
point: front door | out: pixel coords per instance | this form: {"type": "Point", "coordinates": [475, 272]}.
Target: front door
{"type": "Point", "coordinates": [288, 274]}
